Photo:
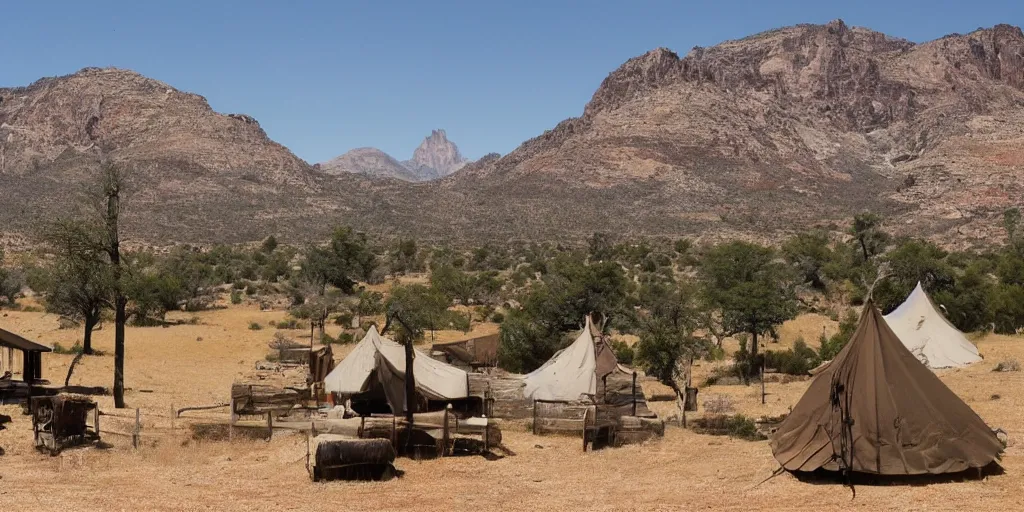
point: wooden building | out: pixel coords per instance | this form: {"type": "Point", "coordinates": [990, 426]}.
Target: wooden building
{"type": "Point", "coordinates": [31, 356]}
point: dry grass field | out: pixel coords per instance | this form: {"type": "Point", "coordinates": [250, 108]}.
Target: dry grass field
{"type": "Point", "coordinates": [195, 364]}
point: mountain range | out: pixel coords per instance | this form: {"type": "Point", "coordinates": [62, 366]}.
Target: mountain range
{"type": "Point", "coordinates": [436, 157]}
{"type": "Point", "coordinates": [781, 131]}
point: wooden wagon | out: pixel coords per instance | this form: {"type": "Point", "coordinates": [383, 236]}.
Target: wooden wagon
{"type": "Point", "coordinates": [61, 421]}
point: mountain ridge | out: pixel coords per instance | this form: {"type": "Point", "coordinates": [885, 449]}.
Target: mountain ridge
{"type": "Point", "coordinates": [435, 158]}
{"type": "Point", "coordinates": [789, 129]}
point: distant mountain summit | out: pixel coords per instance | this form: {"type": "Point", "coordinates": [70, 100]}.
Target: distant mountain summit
{"type": "Point", "coordinates": [439, 153]}
{"type": "Point", "coordinates": [436, 157]}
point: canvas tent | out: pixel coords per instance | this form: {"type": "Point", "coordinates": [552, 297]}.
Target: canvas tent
{"type": "Point", "coordinates": [572, 372]}
{"type": "Point", "coordinates": [378, 364]}
{"type": "Point", "coordinates": [928, 335]}
{"type": "Point", "coordinates": [876, 409]}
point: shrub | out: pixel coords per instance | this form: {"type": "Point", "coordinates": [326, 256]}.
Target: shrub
{"type": "Point", "coordinates": [255, 326]}
{"type": "Point", "coordinates": [287, 323]}
{"type": "Point", "coordinates": [457, 321]}
{"type": "Point", "coordinates": [1009, 365]}
{"type": "Point", "coordinates": [498, 317]}
{"type": "Point", "coordinates": [344, 319]}
{"type": "Point", "coordinates": [345, 338]}
{"type": "Point", "coordinates": [236, 297]}
{"type": "Point", "coordinates": [623, 352]}
{"type": "Point", "coordinates": [75, 349]}
{"type": "Point", "coordinates": [718, 404]}
{"type": "Point", "coordinates": [326, 339]}
{"type": "Point", "coordinates": [799, 360]}
{"type": "Point", "coordinates": [738, 426]}
{"type": "Point", "coordinates": [831, 346]}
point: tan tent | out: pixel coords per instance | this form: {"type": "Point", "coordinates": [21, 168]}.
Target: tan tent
{"type": "Point", "coordinates": [573, 372]}
{"type": "Point", "coordinates": [928, 335]}
{"type": "Point", "coordinates": [379, 361]}
{"type": "Point", "coordinates": [876, 409]}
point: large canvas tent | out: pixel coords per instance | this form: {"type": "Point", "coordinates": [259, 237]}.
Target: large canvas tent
{"type": "Point", "coordinates": [876, 409]}
{"type": "Point", "coordinates": [378, 363]}
{"type": "Point", "coordinates": [572, 372]}
{"type": "Point", "coordinates": [928, 335]}
{"type": "Point", "coordinates": [587, 370]}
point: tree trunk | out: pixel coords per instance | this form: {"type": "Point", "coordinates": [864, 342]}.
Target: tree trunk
{"type": "Point", "coordinates": [90, 324]}
{"type": "Point", "coordinates": [863, 247]}
{"type": "Point", "coordinates": [113, 190]}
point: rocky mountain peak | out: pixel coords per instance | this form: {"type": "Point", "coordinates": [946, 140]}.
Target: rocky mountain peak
{"type": "Point", "coordinates": [439, 153]}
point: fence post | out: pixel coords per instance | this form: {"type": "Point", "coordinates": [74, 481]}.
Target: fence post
{"type": "Point", "coordinates": [444, 436]}
{"type": "Point", "coordinates": [585, 411]}
{"type": "Point", "coordinates": [487, 430]}
{"type": "Point", "coordinates": [231, 421]}
{"type": "Point", "coordinates": [534, 417]}
{"type": "Point", "coordinates": [634, 393]}
{"type": "Point", "coordinates": [96, 421]}
{"type": "Point", "coordinates": [135, 434]}
{"type": "Point", "coordinates": [270, 426]}
{"type": "Point", "coordinates": [172, 416]}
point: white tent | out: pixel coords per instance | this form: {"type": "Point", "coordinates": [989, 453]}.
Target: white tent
{"type": "Point", "coordinates": [376, 356]}
{"type": "Point", "coordinates": [568, 374]}
{"type": "Point", "coordinates": [928, 335]}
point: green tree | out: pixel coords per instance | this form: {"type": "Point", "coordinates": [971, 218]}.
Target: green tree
{"type": "Point", "coordinates": [346, 259]}
{"type": "Point", "coordinates": [810, 254]}
{"type": "Point", "coordinates": [421, 307]}
{"type": "Point", "coordinates": [269, 245]}
{"type": "Point", "coordinates": [556, 305]}
{"type": "Point", "coordinates": [82, 284]}
{"type": "Point", "coordinates": [749, 290]}
{"type": "Point", "coordinates": [868, 235]}
{"type": "Point", "coordinates": [909, 263]}
{"type": "Point", "coordinates": [10, 282]}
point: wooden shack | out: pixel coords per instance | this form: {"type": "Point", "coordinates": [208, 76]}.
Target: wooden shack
{"type": "Point", "coordinates": [31, 361]}
{"type": "Point", "coordinates": [469, 354]}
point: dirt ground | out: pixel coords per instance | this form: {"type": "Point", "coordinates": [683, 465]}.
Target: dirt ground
{"type": "Point", "coordinates": [195, 364]}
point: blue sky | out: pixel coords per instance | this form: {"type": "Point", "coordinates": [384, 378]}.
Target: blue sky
{"type": "Point", "coordinates": [323, 77]}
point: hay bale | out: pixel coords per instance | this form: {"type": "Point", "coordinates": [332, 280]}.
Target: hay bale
{"type": "Point", "coordinates": [337, 458]}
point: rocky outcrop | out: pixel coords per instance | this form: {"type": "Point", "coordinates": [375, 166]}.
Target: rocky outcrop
{"type": "Point", "coordinates": [438, 153]}
{"type": "Point", "coordinates": [436, 157]}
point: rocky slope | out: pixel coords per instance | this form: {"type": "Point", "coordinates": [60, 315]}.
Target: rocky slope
{"type": "Point", "coordinates": [789, 128]}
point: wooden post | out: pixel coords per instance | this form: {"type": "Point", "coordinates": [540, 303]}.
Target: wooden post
{"type": "Point", "coordinates": [534, 417]}
{"type": "Point", "coordinates": [96, 421]}
{"type": "Point", "coordinates": [270, 426]}
{"type": "Point", "coordinates": [173, 414]}
{"type": "Point", "coordinates": [762, 379]}
{"type": "Point", "coordinates": [634, 393]}
{"type": "Point", "coordinates": [487, 430]}
{"type": "Point", "coordinates": [394, 432]}
{"type": "Point", "coordinates": [444, 435]}
{"type": "Point", "coordinates": [585, 411]}
{"type": "Point", "coordinates": [231, 421]}
{"type": "Point", "coordinates": [135, 434]}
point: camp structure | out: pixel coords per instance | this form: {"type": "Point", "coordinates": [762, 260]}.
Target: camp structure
{"type": "Point", "coordinates": [875, 409]}
{"type": "Point", "coordinates": [31, 361]}
{"type": "Point", "coordinates": [586, 369]}
{"type": "Point", "coordinates": [339, 458]}
{"type": "Point", "coordinates": [469, 354]}
{"type": "Point", "coordinates": [62, 420]}
{"type": "Point", "coordinates": [373, 377]}
{"type": "Point", "coordinates": [928, 335]}
{"type": "Point", "coordinates": [583, 389]}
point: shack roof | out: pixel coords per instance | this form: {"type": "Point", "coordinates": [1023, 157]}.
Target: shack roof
{"type": "Point", "coordinates": [9, 339]}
